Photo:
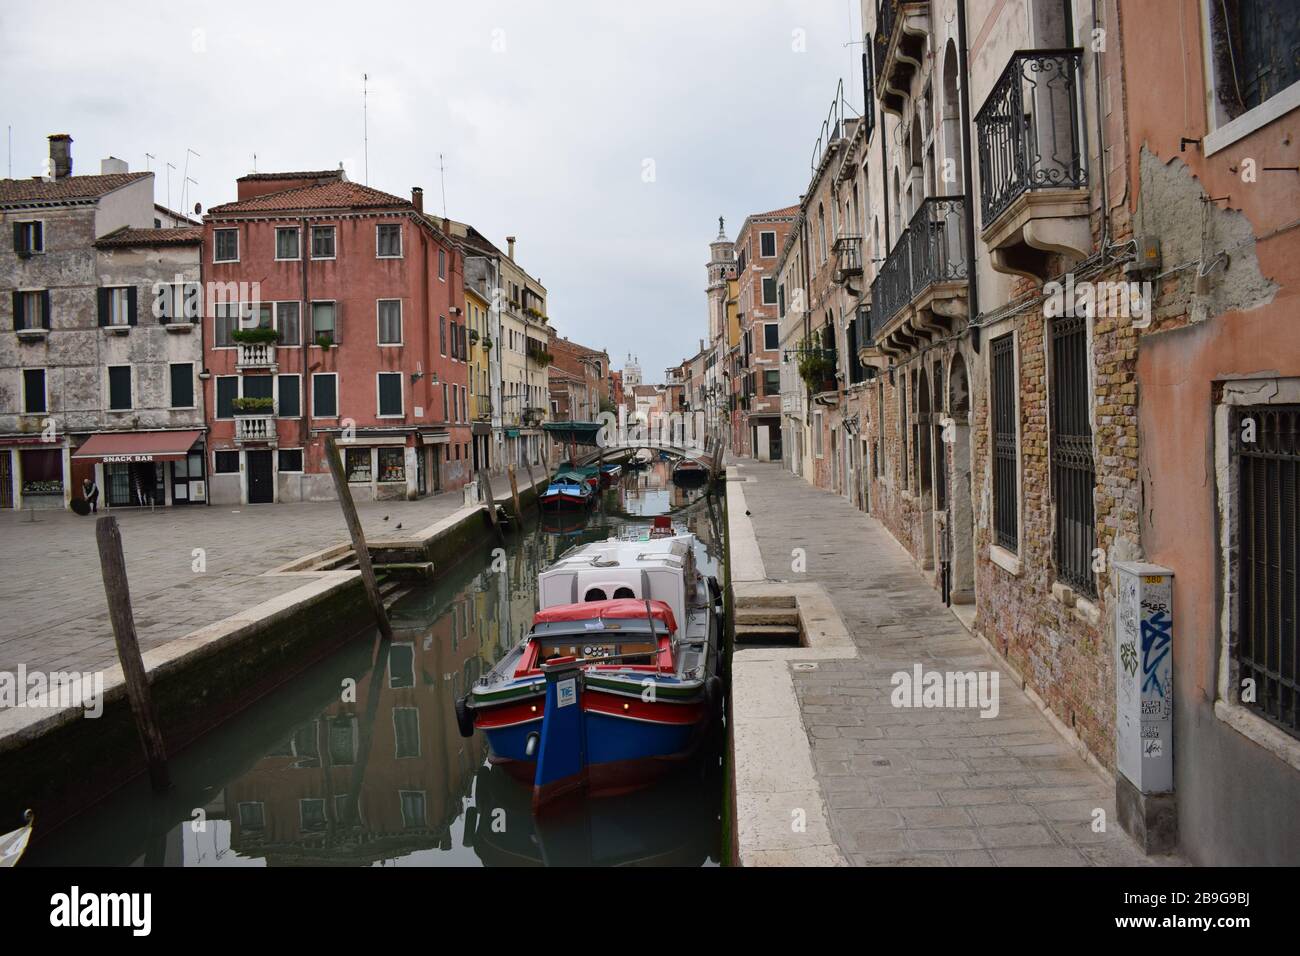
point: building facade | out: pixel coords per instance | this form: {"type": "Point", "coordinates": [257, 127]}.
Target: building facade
{"type": "Point", "coordinates": [337, 310]}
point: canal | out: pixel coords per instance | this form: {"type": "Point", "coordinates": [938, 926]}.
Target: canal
{"type": "Point", "coordinates": [357, 761]}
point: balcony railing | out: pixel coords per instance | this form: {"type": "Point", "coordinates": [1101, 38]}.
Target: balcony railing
{"type": "Point", "coordinates": [930, 251]}
{"type": "Point", "coordinates": [255, 355]}
{"type": "Point", "coordinates": [255, 428]}
{"type": "Point", "coordinates": [848, 257]}
{"type": "Point", "coordinates": [1030, 130]}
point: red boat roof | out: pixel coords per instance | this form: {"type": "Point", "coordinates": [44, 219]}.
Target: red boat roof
{"type": "Point", "coordinates": [614, 609]}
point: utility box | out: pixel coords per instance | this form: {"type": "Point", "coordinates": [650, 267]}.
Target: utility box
{"type": "Point", "coordinates": [1144, 703]}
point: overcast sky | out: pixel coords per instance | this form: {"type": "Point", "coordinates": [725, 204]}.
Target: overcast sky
{"type": "Point", "coordinates": [608, 135]}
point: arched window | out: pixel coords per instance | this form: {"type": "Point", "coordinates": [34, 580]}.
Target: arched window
{"type": "Point", "coordinates": [595, 594]}
{"type": "Point", "coordinates": [624, 593]}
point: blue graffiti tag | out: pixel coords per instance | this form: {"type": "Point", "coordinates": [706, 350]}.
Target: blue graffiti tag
{"type": "Point", "coordinates": [1155, 648]}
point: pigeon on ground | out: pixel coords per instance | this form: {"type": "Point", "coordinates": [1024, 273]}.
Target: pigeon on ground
{"type": "Point", "coordinates": [398, 526]}
{"type": "Point", "coordinates": [385, 517]}
{"type": "Point", "coordinates": [747, 514]}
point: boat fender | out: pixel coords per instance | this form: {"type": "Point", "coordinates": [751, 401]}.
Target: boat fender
{"type": "Point", "coordinates": [713, 694]}
{"type": "Point", "coordinates": [464, 719]}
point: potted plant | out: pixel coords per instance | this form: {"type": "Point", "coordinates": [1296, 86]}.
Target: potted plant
{"type": "Point", "coordinates": [473, 336]}
{"type": "Point", "coordinates": [325, 340]}
{"type": "Point", "coordinates": [260, 335]}
{"type": "Point", "coordinates": [254, 406]}
{"type": "Point", "coordinates": [487, 343]}
{"type": "Point", "coordinates": [816, 367]}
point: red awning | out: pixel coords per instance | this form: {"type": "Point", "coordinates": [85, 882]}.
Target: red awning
{"type": "Point", "coordinates": [615, 609]}
{"type": "Point", "coordinates": [136, 446]}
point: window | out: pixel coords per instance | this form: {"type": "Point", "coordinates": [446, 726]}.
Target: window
{"type": "Point", "coordinates": [288, 322]}
{"type": "Point", "coordinates": [1265, 566]}
{"type": "Point", "coordinates": [289, 459]}
{"type": "Point", "coordinates": [769, 291]}
{"type": "Point", "coordinates": [1003, 398]}
{"type": "Point", "coordinates": [34, 399]}
{"type": "Point", "coordinates": [29, 238]}
{"type": "Point", "coordinates": [1073, 475]}
{"type": "Point", "coordinates": [286, 243]}
{"type": "Point", "coordinates": [767, 244]}
{"type": "Point", "coordinates": [227, 392]}
{"type": "Point", "coordinates": [442, 334]}
{"type": "Point", "coordinates": [119, 388]}
{"type": "Point", "coordinates": [324, 321]}
{"type": "Point", "coordinates": [174, 302]}
{"type": "Point", "coordinates": [311, 815]}
{"type": "Point", "coordinates": [117, 306]}
{"type": "Point", "coordinates": [182, 382]}
{"type": "Point", "coordinates": [325, 395]}
{"type": "Point", "coordinates": [322, 242]}
{"type": "Point", "coordinates": [31, 310]}
{"type": "Point", "coordinates": [390, 321]}
{"type": "Point", "coordinates": [259, 315]}
{"type": "Point", "coordinates": [288, 402]}
{"type": "Point", "coordinates": [356, 464]}
{"type": "Point", "coordinates": [388, 241]}
{"type": "Point", "coordinates": [390, 394]}
{"type": "Point", "coordinates": [406, 731]}
{"type": "Point", "coordinates": [442, 263]}
{"type": "Point", "coordinates": [413, 803]}
{"type": "Point", "coordinates": [771, 336]}
{"type": "Point", "coordinates": [392, 464]}
{"type": "Point", "coordinates": [772, 381]}
{"type": "Point", "coordinates": [225, 319]}
{"type": "Point", "coordinates": [225, 462]}
{"type": "Point", "coordinates": [225, 245]}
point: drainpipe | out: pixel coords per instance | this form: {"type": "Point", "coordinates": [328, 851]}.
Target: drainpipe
{"type": "Point", "coordinates": [972, 277]}
{"type": "Point", "coordinates": [304, 332]}
{"type": "Point", "coordinates": [1101, 142]}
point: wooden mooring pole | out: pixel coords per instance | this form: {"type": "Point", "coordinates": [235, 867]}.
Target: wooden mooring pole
{"type": "Point", "coordinates": [358, 538]}
{"type": "Point", "coordinates": [118, 592]}
{"type": "Point", "coordinates": [491, 500]}
{"type": "Point", "coordinates": [514, 492]}
{"type": "Point", "coordinates": [532, 483]}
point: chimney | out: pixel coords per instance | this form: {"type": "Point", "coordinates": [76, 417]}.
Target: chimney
{"type": "Point", "coordinates": [113, 165]}
{"type": "Point", "coordinates": [60, 155]}
{"type": "Point", "coordinates": [417, 198]}
{"type": "Point", "coordinates": [510, 247]}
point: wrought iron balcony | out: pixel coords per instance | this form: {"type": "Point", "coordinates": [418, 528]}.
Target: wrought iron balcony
{"type": "Point", "coordinates": [255, 355]}
{"type": "Point", "coordinates": [255, 429]}
{"type": "Point", "coordinates": [848, 257]}
{"type": "Point", "coordinates": [1030, 130]}
{"type": "Point", "coordinates": [898, 48]}
{"type": "Point", "coordinates": [929, 256]}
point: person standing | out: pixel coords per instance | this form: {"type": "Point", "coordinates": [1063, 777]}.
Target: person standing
{"type": "Point", "coordinates": [90, 491]}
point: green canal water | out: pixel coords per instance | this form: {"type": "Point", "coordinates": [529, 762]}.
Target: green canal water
{"type": "Point", "coordinates": [380, 777]}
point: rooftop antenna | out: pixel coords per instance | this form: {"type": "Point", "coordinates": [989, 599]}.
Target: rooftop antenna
{"type": "Point", "coordinates": [255, 162]}
{"type": "Point", "coordinates": [11, 151]}
{"type": "Point", "coordinates": [365, 124]}
{"type": "Point", "coordinates": [186, 174]}
{"type": "Point", "coordinates": [147, 158]}
{"type": "Point", "coordinates": [170, 167]}
{"type": "Point", "coordinates": [442, 171]}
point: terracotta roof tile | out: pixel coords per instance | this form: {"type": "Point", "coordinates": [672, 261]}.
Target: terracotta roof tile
{"type": "Point", "coordinates": [68, 189]}
{"type": "Point", "coordinates": [307, 174]}
{"type": "Point", "coordinates": [127, 237]}
{"type": "Point", "coordinates": [326, 195]}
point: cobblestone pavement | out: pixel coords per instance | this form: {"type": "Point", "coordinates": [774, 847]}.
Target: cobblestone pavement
{"type": "Point", "coordinates": [915, 786]}
{"type": "Point", "coordinates": [54, 613]}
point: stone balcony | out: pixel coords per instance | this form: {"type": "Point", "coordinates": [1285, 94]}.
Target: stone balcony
{"type": "Point", "coordinates": [255, 355]}
{"type": "Point", "coordinates": [902, 31]}
{"type": "Point", "coordinates": [258, 429]}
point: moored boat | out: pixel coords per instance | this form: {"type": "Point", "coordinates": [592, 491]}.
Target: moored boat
{"type": "Point", "coordinates": [688, 471]}
{"type": "Point", "coordinates": [564, 493]}
{"type": "Point", "coordinates": [617, 681]}
{"type": "Point", "coordinates": [610, 473]}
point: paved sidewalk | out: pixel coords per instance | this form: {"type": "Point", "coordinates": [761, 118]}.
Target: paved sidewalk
{"type": "Point", "coordinates": [54, 612]}
{"type": "Point", "coordinates": [915, 786]}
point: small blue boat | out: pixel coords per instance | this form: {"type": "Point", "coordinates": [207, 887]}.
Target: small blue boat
{"type": "Point", "coordinates": [566, 493]}
{"type": "Point", "coordinates": [607, 692]}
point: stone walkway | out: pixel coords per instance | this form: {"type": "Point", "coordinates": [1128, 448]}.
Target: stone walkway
{"type": "Point", "coordinates": [55, 615]}
{"type": "Point", "coordinates": [917, 786]}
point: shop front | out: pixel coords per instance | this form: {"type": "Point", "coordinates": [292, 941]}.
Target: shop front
{"type": "Point", "coordinates": [145, 469]}
{"type": "Point", "coordinates": [33, 473]}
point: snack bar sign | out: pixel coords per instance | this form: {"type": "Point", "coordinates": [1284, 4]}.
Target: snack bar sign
{"type": "Point", "coordinates": [126, 459]}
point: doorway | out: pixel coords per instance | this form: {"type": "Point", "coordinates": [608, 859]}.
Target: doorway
{"type": "Point", "coordinates": [261, 477]}
{"type": "Point", "coordinates": [961, 522]}
{"type": "Point", "coordinates": [6, 479]}
{"type": "Point", "coordinates": [421, 478]}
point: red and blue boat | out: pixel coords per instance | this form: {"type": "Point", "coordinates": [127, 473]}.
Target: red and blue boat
{"type": "Point", "coordinates": [567, 491]}
{"type": "Point", "coordinates": [617, 681]}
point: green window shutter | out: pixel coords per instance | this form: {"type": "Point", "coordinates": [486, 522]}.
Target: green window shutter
{"type": "Point", "coordinates": [130, 306]}
{"type": "Point", "coordinates": [18, 311]}
{"type": "Point", "coordinates": [105, 304]}
{"type": "Point", "coordinates": [45, 308]}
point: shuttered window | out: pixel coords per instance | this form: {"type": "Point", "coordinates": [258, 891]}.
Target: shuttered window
{"type": "Point", "coordinates": [390, 393]}
{"type": "Point", "coordinates": [288, 400]}
{"type": "Point", "coordinates": [324, 395]}
{"type": "Point", "coordinates": [119, 387]}
{"type": "Point", "coordinates": [34, 391]}
{"type": "Point", "coordinates": [227, 392]}
{"type": "Point", "coordinates": [182, 385]}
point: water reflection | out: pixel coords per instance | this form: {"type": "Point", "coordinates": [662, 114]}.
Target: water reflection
{"type": "Point", "coordinates": [358, 761]}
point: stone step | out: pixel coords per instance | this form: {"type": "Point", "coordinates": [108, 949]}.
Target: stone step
{"type": "Point", "coordinates": [768, 615]}
{"type": "Point", "coordinates": [778, 635]}
{"type": "Point", "coordinates": [764, 600]}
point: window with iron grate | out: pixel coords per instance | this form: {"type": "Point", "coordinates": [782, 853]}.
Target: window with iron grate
{"type": "Point", "coordinates": [1006, 516]}
{"type": "Point", "coordinates": [1073, 475]}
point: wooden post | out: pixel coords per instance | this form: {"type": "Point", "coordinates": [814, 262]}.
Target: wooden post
{"type": "Point", "coordinates": [491, 500]}
{"type": "Point", "coordinates": [514, 492]}
{"type": "Point", "coordinates": [358, 538]}
{"type": "Point", "coordinates": [118, 591]}
{"type": "Point", "coordinates": [532, 483]}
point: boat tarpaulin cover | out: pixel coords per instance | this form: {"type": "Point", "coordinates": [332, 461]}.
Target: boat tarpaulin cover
{"type": "Point", "coordinates": [614, 609]}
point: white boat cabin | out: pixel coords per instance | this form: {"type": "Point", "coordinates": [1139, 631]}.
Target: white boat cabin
{"type": "Point", "coordinates": [661, 569]}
